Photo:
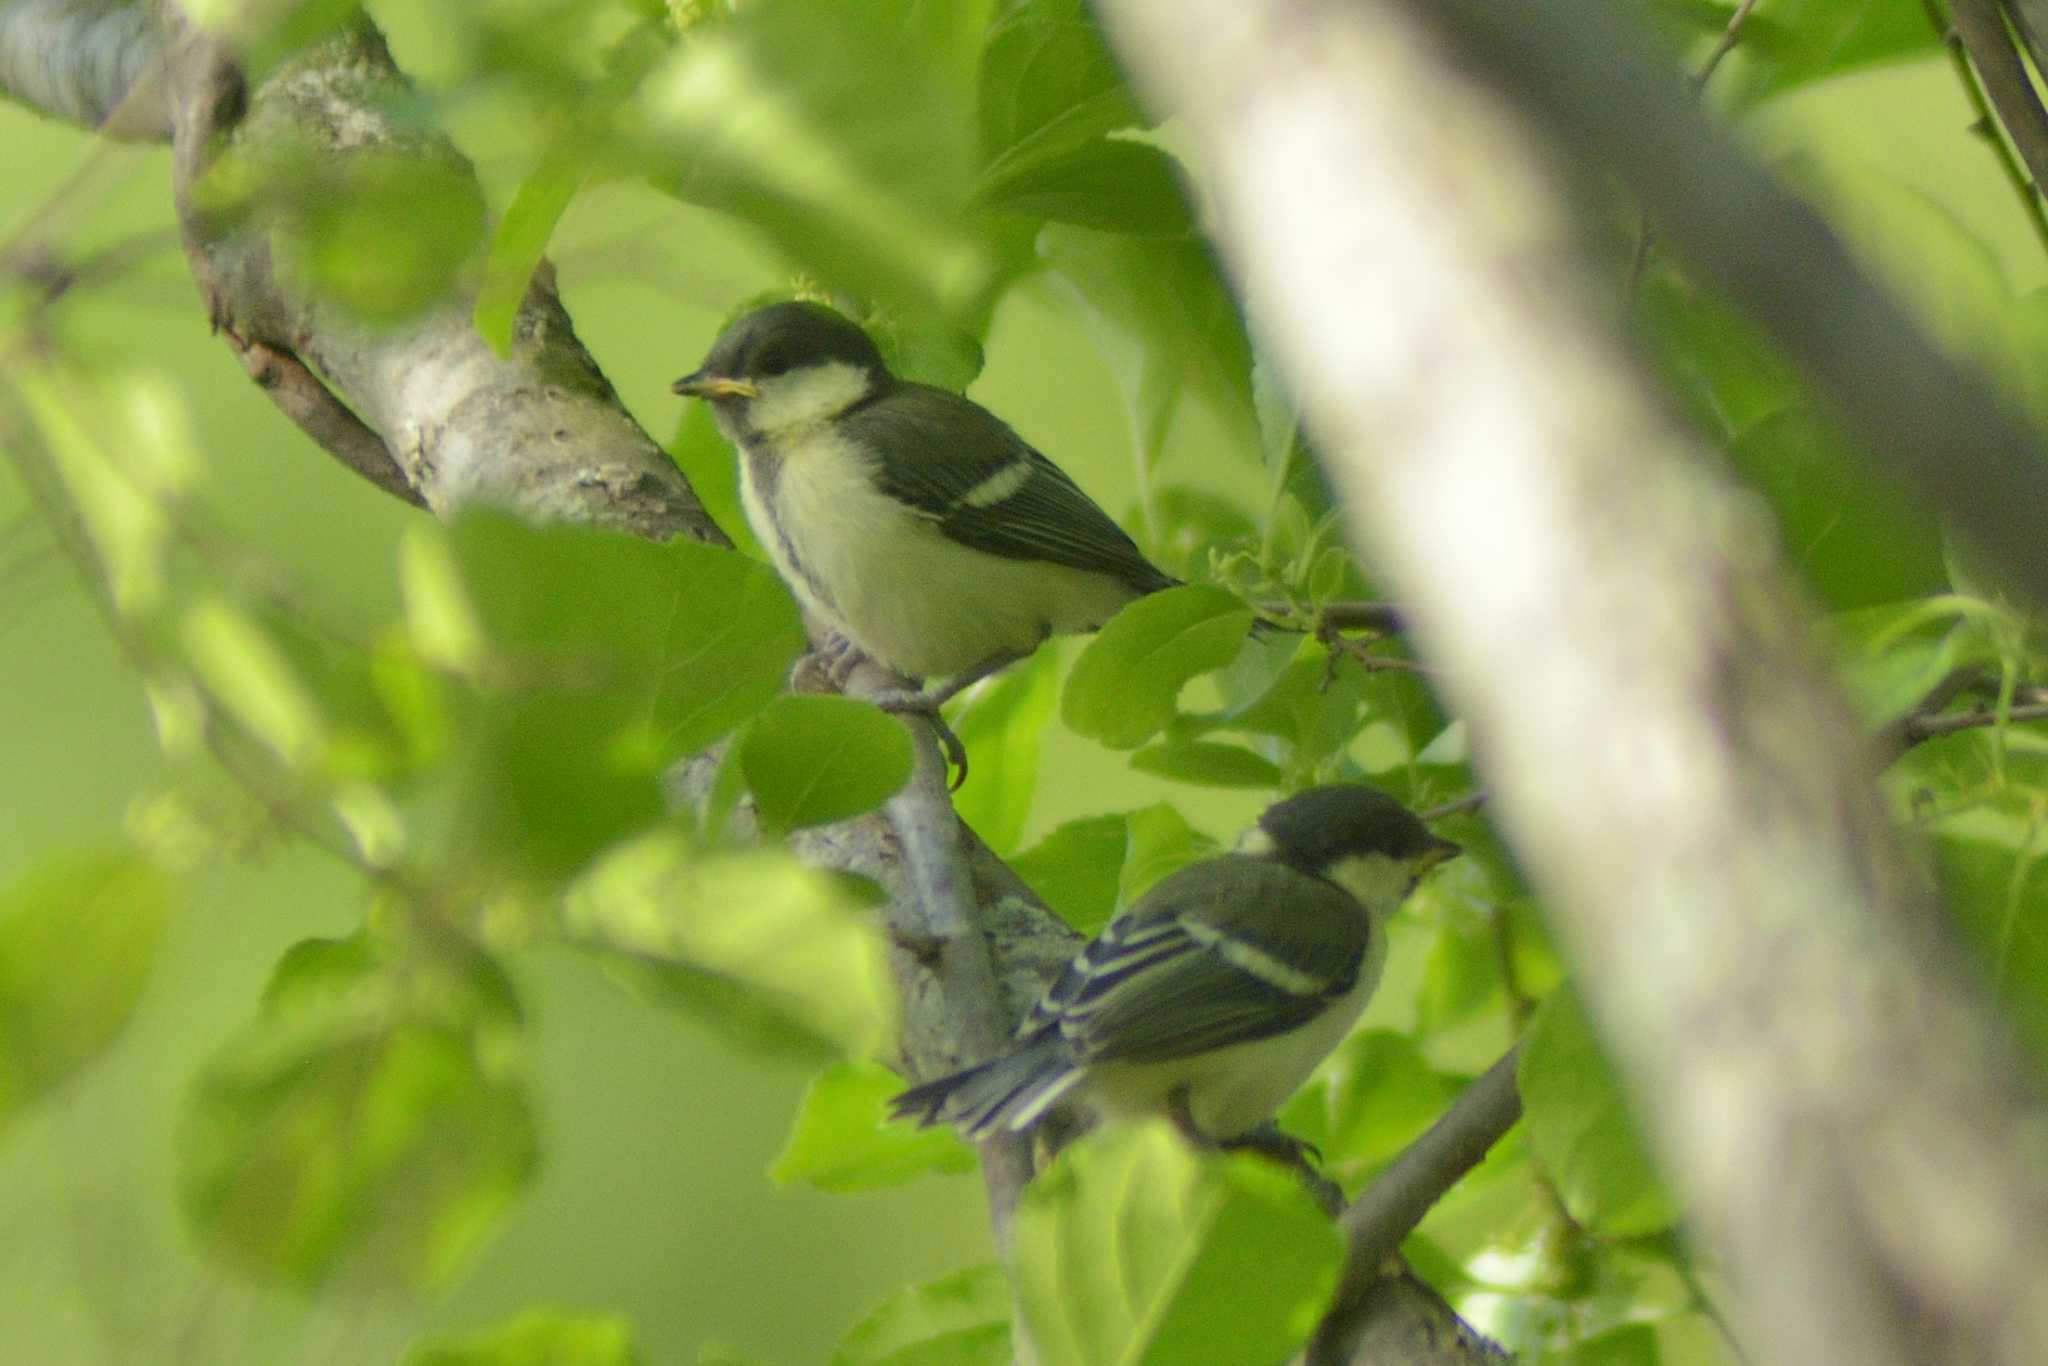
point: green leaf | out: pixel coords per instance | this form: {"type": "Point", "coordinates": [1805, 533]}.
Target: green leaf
{"type": "Point", "coordinates": [372, 1123]}
{"type": "Point", "coordinates": [840, 132]}
{"type": "Point", "coordinates": [1580, 1126]}
{"type": "Point", "coordinates": [844, 1141]}
{"type": "Point", "coordinates": [1996, 881]}
{"type": "Point", "coordinates": [538, 1337]}
{"type": "Point", "coordinates": [815, 760]}
{"type": "Point", "coordinates": [608, 658]}
{"type": "Point", "coordinates": [1077, 869]}
{"type": "Point", "coordinates": [1110, 184]}
{"type": "Point", "coordinates": [1892, 657]}
{"type": "Point", "coordinates": [1123, 688]}
{"type": "Point", "coordinates": [1157, 841]}
{"type": "Point", "coordinates": [1938, 263]}
{"type": "Point", "coordinates": [706, 459]}
{"type": "Point", "coordinates": [1130, 1250]}
{"type": "Point", "coordinates": [1856, 541]}
{"type": "Point", "coordinates": [1048, 84]}
{"type": "Point", "coordinates": [1726, 373]}
{"type": "Point", "coordinates": [1164, 318]}
{"type": "Point", "coordinates": [789, 938]}
{"type": "Point", "coordinates": [253, 681]}
{"type": "Point", "coordinates": [1003, 725]}
{"type": "Point", "coordinates": [1633, 1344]}
{"type": "Point", "coordinates": [522, 238]}
{"type": "Point", "coordinates": [1377, 1095]}
{"type": "Point", "coordinates": [959, 1320]}
{"type": "Point", "coordinates": [1795, 41]}
{"type": "Point", "coordinates": [78, 935]}
{"type": "Point", "coordinates": [1209, 764]}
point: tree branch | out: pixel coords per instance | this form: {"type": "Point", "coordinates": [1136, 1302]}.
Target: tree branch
{"type": "Point", "coordinates": [1981, 29]}
{"type": "Point", "coordinates": [1574, 68]}
{"type": "Point", "coordinates": [1669, 755]}
{"type": "Point", "coordinates": [92, 62]}
{"type": "Point", "coordinates": [1986, 126]}
{"type": "Point", "coordinates": [1388, 1210]}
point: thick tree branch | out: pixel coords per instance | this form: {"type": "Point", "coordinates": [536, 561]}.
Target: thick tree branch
{"type": "Point", "coordinates": [92, 62]}
{"type": "Point", "coordinates": [1575, 69]}
{"type": "Point", "coordinates": [1667, 753]}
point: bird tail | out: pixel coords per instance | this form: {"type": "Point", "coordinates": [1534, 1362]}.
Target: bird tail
{"type": "Point", "coordinates": [1010, 1092]}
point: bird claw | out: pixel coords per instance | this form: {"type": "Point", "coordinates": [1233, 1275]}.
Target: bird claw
{"type": "Point", "coordinates": [916, 702]}
{"type": "Point", "coordinates": [1271, 1142]}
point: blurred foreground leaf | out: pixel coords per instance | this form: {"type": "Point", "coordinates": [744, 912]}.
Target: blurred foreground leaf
{"type": "Point", "coordinates": [789, 940]}
{"type": "Point", "coordinates": [958, 1320]}
{"type": "Point", "coordinates": [1131, 1250]}
{"type": "Point", "coordinates": [844, 1140]}
{"type": "Point", "coordinates": [77, 938]}
{"type": "Point", "coordinates": [814, 760]}
{"type": "Point", "coordinates": [1123, 688]}
{"type": "Point", "coordinates": [539, 1337]}
{"type": "Point", "coordinates": [371, 1124]}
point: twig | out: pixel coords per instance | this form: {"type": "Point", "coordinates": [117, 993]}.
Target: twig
{"type": "Point", "coordinates": [1981, 29]}
{"type": "Point", "coordinates": [1457, 806]}
{"type": "Point", "coordinates": [300, 396]}
{"type": "Point", "coordinates": [1971, 74]}
{"type": "Point", "coordinates": [1389, 1209]}
{"type": "Point", "coordinates": [1921, 726]}
{"type": "Point", "coordinates": [1383, 617]}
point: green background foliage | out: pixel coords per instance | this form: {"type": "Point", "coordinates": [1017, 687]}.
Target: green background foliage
{"type": "Point", "coordinates": [571, 1081]}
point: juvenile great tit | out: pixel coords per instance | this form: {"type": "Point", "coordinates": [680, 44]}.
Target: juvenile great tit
{"type": "Point", "coordinates": [1213, 996]}
{"type": "Point", "coordinates": [910, 519]}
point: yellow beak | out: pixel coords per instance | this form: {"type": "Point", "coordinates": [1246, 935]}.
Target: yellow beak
{"type": "Point", "coordinates": [701, 385]}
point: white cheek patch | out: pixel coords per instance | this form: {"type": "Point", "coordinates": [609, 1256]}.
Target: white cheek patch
{"type": "Point", "coordinates": [810, 395]}
{"type": "Point", "coordinates": [1375, 879]}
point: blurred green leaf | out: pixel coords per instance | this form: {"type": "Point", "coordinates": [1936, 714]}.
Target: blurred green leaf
{"type": "Point", "coordinates": [1938, 264]}
{"type": "Point", "coordinates": [844, 1140]}
{"type": "Point", "coordinates": [1891, 657]}
{"type": "Point", "coordinates": [1158, 841]}
{"type": "Point", "coordinates": [1110, 184]}
{"type": "Point", "coordinates": [1134, 1251]}
{"type": "Point", "coordinates": [1003, 725]}
{"type": "Point", "coordinates": [707, 460]}
{"type": "Point", "coordinates": [609, 657]}
{"type": "Point", "coordinates": [539, 1337]}
{"type": "Point", "coordinates": [1164, 319]}
{"type": "Point", "coordinates": [78, 936]}
{"type": "Point", "coordinates": [1632, 1344]}
{"type": "Point", "coordinates": [789, 938]}
{"type": "Point", "coordinates": [1076, 870]}
{"type": "Point", "coordinates": [1209, 764]}
{"type": "Point", "coordinates": [1725, 372]}
{"type": "Point", "coordinates": [959, 1320]}
{"type": "Point", "coordinates": [1123, 688]}
{"type": "Point", "coordinates": [1796, 41]}
{"type": "Point", "coordinates": [253, 681]}
{"type": "Point", "coordinates": [1856, 542]}
{"type": "Point", "coordinates": [1990, 858]}
{"type": "Point", "coordinates": [371, 1123]}
{"type": "Point", "coordinates": [840, 132]}
{"type": "Point", "coordinates": [1048, 85]}
{"type": "Point", "coordinates": [815, 760]}
{"type": "Point", "coordinates": [1580, 1126]}
{"type": "Point", "coordinates": [522, 238]}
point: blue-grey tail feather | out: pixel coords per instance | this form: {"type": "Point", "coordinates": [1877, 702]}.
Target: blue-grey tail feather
{"type": "Point", "coordinates": [1009, 1092]}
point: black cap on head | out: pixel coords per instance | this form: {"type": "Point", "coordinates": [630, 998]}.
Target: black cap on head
{"type": "Point", "coordinates": [1314, 830]}
{"type": "Point", "coordinates": [788, 336]}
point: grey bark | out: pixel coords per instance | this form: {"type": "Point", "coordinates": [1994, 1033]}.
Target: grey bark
{"type": "Point", "coordinates": [92, 62]}
{"type": "Point", "coordinates": [1660, 737]}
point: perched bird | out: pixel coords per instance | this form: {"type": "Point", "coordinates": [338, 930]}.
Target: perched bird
{"type": "Point", "coordinates": [910, 519]}
{"type": "Point", "coordinates": [1213, 996]}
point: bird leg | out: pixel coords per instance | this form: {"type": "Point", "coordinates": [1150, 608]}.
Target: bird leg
{"type": "Point", "coordinates": [915, 701]}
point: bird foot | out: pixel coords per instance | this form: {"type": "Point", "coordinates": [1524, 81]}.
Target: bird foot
{"type": "Point", "coordinates": [1271, 1142]}
{"type": "Point", "coordinates": [916, 702]}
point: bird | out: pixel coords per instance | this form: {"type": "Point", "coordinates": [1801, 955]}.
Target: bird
{"type": "Point", "coordinates": [909, 519]}
{"type": "Point", "coordinates": [1211, 998]}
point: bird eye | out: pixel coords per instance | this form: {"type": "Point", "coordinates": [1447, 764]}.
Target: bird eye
{"type": "Point", "coordinates": [772, 360]}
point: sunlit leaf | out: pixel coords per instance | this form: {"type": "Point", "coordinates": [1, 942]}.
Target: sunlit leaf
{"type": "Point", "coordinates": [844, 1140]}
{"type": "Point", "coordinates": [78, 936]}
{"type": "Point", "coordinates": [1122, 690]}
{"type": "Point", "coordinates": [788, 938]}
{"type": "Point", "coordinates": [1787, 44]}
{"type": "Point", "coordinates": [1076, 870]}
{"type": "Point", "coordinates": [538, 1337]}
{"type": "Point", "coordinates": [814, 760]}
{"type": "Point", "coordinates": [1376, 1095]}
{"type": "Point", "coordinates": [1209, 764]}
{"type": "Point", "coordinates": [958, 1320]}
{"type": "Point", "coordinates": [371, 1123]}
{"type": "Point", "coordinates": [522, 239]}
{"type": "Point", "coordinates": [1131, 1250]}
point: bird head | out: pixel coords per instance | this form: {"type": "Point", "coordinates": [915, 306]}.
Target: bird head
{"type": "Point", "coordinates": [786, 366]}
{"type": "Point", "coordinates": [1355, 836]}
